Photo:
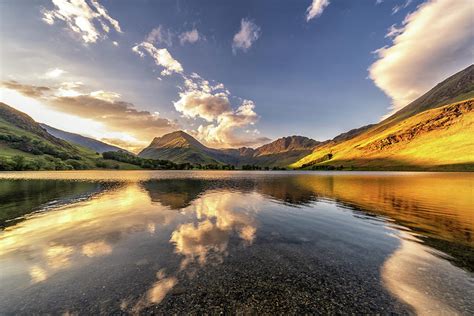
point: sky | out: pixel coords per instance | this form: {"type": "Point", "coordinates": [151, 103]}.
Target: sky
{"type": "Point", "coordinates": [231, 73]}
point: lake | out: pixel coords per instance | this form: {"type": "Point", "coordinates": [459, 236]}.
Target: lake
{"type": "Point", "coordinates": [94, 242]}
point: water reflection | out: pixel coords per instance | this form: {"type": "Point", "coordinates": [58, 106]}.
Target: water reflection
{"type": "Point", "coordinates": [217, 219]}
{"type": "Point", "coordinates": [149, 244]}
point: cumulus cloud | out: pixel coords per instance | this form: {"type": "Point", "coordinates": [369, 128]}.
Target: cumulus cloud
{"type": "Point", "coordinates": [202, 104]}
{"type": "Point", "coordinates": [201, 99]}
{"type": "Point", "coordinates": [434, 42]}
{"type": "Point", "coordinates": [81, 18]}
{"type": "Point", "coordinates": [189, 37]}
{"type": "Point", "coordinates": [100, 106]}
{"type": "Point", "coordinates": [249, 32]}
{"type": "Point", "coordinates": [316, 9]}
{"type": "Point", "coordinates": [161, 56]}
{"type": "Point", "coordinates": [160, 35]}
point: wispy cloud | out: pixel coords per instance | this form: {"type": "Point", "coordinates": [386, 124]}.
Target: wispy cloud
{"type": "Point", "coordinates": [249, 32]}
{"type": "Point", "coordinates": [161, 56]}
{"type": "Point", "coordinates": [54, 73]}
{"type": "Point", "coordinates": [81, 18]}
{"type": "Point", "coordinates": [160, 36]}
{"type": "Point", "coordinates": [430, 46]}
{"type": "Point", "coordinates": [316, 9]}
{"type": "Point", "coordinates": [25, 89]}
{"type": "Point", "coordinates": [393, 31]}
{"type": "Point", "coordinates": [189, 37]}
{"type": "Point", "coordinates": [399, 7]}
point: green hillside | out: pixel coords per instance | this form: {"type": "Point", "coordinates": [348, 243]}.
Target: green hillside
{"type": "Point", "coordinates": [25, 145]}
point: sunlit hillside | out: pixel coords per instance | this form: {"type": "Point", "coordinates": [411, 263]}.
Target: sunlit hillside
{"type": "Point", "coordinates": [437, 139]}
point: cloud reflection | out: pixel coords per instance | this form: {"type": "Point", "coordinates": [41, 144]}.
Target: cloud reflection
{"type": "Point", "coordinates": [219, 214]}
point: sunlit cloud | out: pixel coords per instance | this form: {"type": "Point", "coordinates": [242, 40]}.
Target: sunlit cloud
{"type": "Point", "coordinates": [434, 42]}
{"type": "Point", "coordinates": [161, 56]}
{"type": "Point", "coordinates": [27, 90]}
{"type": "Point", "coordinates": [247, 35]}
{"type": "Point", "coordinates": [393, 31]}
{"type": "Point", "coordinates": [54, 73]}
{"type": "Point", "coordinates": [81, 18]}
{"type": "Point", "coordinates": [200, 99]}
{"type": "Point", "coordinates": [99, 114]}
{"type": "Point", "coordinates": [316, 9]}
{"type": "Point", "coordinates": [189, 37]}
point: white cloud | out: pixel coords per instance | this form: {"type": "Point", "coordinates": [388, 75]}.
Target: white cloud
{"type": "Point", "coordinates": [161, 56]}
{"type": "Point", "coordinates": [202, 104]}
{"type": "Point", "coordinates": [249, 32]}
{"type": "Point", "coordinates": [189, 37]}
{"type": "Point", "coordinates": [224, 125]}
{"type": "Point", "coordinates": [434, 42]}
{"type": "Point", "coordinates": [393, 31]}
{"type": "Point", "coordinates": [54, 73]}
{"type": "Point", "coordinates": [80, 17]}
{"type": "Point", "coordinates": [397, 8]}
{"type": "Point", "coordinates": [160, 35]}
{"type": "Point", "coordinates": [316, 9]}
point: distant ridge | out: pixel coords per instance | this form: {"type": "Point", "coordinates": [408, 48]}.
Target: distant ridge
{"type": "Point", "coordinates": [84, 141]}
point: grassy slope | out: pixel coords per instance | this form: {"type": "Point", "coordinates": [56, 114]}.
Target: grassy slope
{"type": "Point", "coordinates": [437, 139]}
{"type": "Point", "coordinates": [88, 156]}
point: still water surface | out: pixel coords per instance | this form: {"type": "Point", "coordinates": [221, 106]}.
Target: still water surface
{"type": "Point", "coordinates": [137, 242]}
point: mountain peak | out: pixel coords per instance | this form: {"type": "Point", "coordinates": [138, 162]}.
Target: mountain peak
{"type": "Point", "coordinates": [176, 139]}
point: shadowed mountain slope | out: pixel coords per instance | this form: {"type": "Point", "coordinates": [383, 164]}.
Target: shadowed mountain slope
{"type": "Point", "coordinates": [84, 141]}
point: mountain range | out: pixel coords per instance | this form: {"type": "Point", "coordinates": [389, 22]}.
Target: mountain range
{"type": "Point", "coordinates": [181, 147]}
{"type": "Point", "coordinates": [434, 132]}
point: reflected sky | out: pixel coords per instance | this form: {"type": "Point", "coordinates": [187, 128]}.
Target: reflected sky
{"type": "Point", "coordinates": [187, 241]}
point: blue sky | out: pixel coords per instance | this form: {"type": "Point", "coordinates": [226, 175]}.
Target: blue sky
{"type": "Point", "coordinates": [288, 73]}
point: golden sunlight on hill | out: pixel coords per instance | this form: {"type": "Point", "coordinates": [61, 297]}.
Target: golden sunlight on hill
{"type": "Point", "coordinates": [440, 138]}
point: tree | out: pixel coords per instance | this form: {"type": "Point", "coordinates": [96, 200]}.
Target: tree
{"type": "Point", "coordinates": [18, 162]}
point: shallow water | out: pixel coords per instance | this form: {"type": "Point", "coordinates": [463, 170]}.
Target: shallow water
{"type": "Point", "coordinates": [137, 241]}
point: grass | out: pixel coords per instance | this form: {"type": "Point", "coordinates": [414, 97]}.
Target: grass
{"type": "Point", "coordinates": [447, 146]}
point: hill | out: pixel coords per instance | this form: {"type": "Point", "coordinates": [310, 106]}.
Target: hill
{"type": "Point", "coordinates": [80, 140]}
{"type": "Point", "coordinates": [25, 145]}
{"type": "Point", "coordinates": [433, 132]}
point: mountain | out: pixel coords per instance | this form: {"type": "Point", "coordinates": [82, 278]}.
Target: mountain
{"type": "Point", "coordinates": [26, 145]}
{"type": "Point", "coordinates": [458, 87]}
{"type": "Point", "coordinates": [434, 132]}
{"type": "Point", "coordinates": [84, 141]}
{"type": "Point", "coordinates": [181, 147]}
{"type": "Point", "coordinates": [21, 136]}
